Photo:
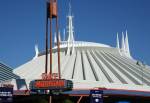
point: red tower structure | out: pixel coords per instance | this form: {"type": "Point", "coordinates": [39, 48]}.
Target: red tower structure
{"type": "Point", "coordinates": [52, 14]}
{"type": "Point", "coordinates": [51, 81]}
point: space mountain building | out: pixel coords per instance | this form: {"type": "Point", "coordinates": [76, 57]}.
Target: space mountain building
{"type": "Point", "coordinates": [92, 65]}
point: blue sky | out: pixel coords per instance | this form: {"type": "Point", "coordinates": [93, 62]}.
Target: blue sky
{"type": "Point", "coordinates": [22, 25]}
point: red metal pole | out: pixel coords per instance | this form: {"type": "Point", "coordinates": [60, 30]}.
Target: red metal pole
{"type": "Point", "coordinates": [58, 44]}
{"type": "Point", "coordinates": [46, 48]}
{"type": "Point", "coordinates": [50, 39]}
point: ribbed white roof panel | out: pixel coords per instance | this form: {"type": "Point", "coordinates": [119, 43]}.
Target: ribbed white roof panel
{"type": "Point", "coordinates": [90, 67]}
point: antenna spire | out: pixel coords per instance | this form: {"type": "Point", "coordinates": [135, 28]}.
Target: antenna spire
{"type": "Point", "coordinates": [70, 8]}
{"type": "Point", "coordinates": [59, 36]}
{"type": "Point", "coordinates": [123, 44]}
{"type": "Point", "coordinates": [118, 46]}
{"type": "Point", "coordinates": [64, 35]}
{"type": "Point", "coordinates": [70, 30]}
{"type": "Point", "coordinates": [127, 43]}
{"type": "Point", "coordinates": [55, 39]}
{"type": "Point", "coordinates": [36, 51]}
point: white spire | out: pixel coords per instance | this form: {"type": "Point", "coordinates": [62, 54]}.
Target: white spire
{"type": "Point", "coordinates": [127, 43]}
{"type": "Point", "coordinates": [70, 31]}
{"type": "Point", "coordinates": [70, 9]}
{"type": "Point", "coordinates": [70, 28]}
{"type": "Point", "coordinates": [64, 38]}
{"type": "Point", "coordinates": [55, 38]}
{"type": "Point", "coordinates": [123, 44]}
{"type": "Point", "coordinates": [118, 46]}
{"type": "Point", "coordinates": [59, 37]}
{"type": "Point", "coordinates": [36, 51]}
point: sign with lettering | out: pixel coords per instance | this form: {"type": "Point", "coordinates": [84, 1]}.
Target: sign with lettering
{"type": "Point", "coordinates": [6, 95]}
{"type": "Point", "coordinates": [96, 96]}
{"type": "Point", "coordinates": [51, 84]}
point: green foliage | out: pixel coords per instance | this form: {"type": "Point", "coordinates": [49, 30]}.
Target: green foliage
{"type": "Point", "coordinates": [38, 99]}
{"type": "Point", "coordinates": [43, 101]}
{"type": "Point", "coordinates": [67, 101]}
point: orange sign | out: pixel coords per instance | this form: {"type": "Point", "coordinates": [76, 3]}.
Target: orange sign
{"type": "Point", "coordinates": [49, 84]}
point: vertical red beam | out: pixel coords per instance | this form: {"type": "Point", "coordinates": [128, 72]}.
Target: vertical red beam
{"type": "Point", "coordinates": [51, 37]}
{"type": "Point", "coordinates": [58, 43]}
{"type": "Point", "coordinates": [46, 37]}
{"type": "Point", "coordinates": [53, 14]}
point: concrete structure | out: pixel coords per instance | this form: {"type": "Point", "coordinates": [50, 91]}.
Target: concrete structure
{"type": "Point", "coordinates": [6, 73]}
{"type": "Point", "coordinates": [91, 65]}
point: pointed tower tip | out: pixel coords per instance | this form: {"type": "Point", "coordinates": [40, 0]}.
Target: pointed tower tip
{"type": "Point", "coordinates": [36, 51]}
{"type": "Point", "coordinates": [64, 38]}
{"type": "Point", "coordinates": [36, 48]}
{"type": "Point", "coordinates": [70, 31]}
{"type": "Point", "coordinates": [118, 46]}
{"type": "Point", "coordinates": [59, 37]}
{"type": "Point", "coordinates": [126, 34]}
{"type": "Point", "coordinates": [127, 43]}
{"type": "Point", "coordinates": [70, 27]}
{"type": "Point", "coordinates": [122, 33]}
{"type": "Point", "coordinates": [55, 38]}
{"type": "Point", "coordinates": [70, 8]}
{"type": "Point", "coordinates": [117, 34]}
{"type": "Point", "coordinates": [123, 43]}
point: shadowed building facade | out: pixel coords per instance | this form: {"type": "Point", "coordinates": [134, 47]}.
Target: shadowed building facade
{"type": "Point", "coordinates": [6, 73]}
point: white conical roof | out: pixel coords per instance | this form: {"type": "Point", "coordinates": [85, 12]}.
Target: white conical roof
{"type": "Point", "coordinates": [91, 66]}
